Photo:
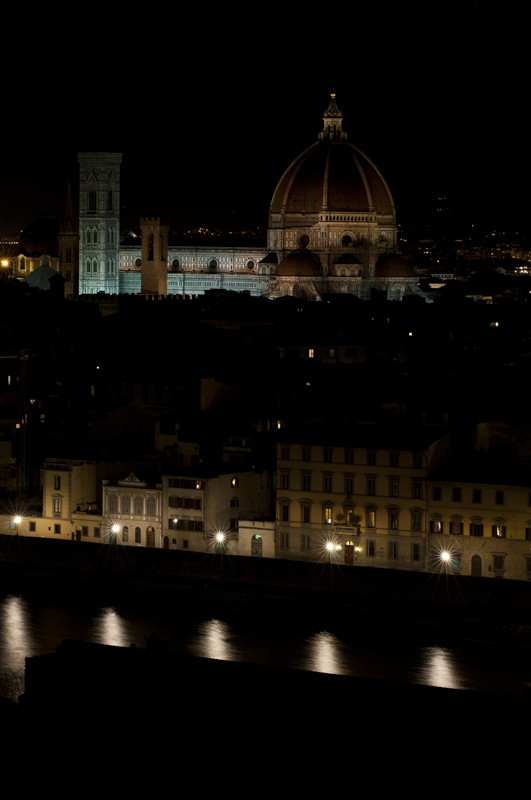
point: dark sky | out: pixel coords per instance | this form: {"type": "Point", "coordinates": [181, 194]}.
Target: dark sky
{"type": "Point", "coordinates": [208, 118]}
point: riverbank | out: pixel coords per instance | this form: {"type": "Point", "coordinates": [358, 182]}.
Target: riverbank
{"type": "Point", "coordinates": [421, 606]}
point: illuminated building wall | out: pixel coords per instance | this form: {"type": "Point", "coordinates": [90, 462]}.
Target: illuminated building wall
{"type": "Point", "coordinates": [370, 504]}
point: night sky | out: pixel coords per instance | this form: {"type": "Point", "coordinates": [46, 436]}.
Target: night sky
{"type": "Point", "coordinates": [208, 118]}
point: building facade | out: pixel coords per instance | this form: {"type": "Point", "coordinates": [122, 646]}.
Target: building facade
{"type": "Point", "coordinates": [132, 512]}
{"type": "Point", "coordinates": [351, 505]}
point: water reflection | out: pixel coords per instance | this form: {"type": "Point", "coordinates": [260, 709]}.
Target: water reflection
{"type": "Point", "coordinates": [15, 628]}
{"type": "Point", "coordinates": [437, 668]}
{"type": "Point", "coordinates": [108, 627]}
{"type": "Point", "coordinates": [324, 654]}
{"type": "Point", "coordinates": [215, 641]}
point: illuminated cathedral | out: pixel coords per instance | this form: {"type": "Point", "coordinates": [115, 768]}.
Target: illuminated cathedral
{"type": "Point", "coordinates": [331, 229]}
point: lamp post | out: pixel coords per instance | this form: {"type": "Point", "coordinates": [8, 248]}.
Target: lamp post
{"type": "Point", "coordinates": [17, 520]}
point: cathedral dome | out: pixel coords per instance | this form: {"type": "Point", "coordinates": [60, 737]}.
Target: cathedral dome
{"type": "Point", "coordinates": [332, 175]}
{"type": "Point", "coordinates": [301, 264]}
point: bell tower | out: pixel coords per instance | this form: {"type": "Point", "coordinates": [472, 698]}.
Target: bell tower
{"type": "Point", "coordinates": [99, 222]}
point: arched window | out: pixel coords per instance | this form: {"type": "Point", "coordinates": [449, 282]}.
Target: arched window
{"type": "Point", "coordinates": [175, 263]}
{"type": "Point", "coordinates": [125, 534]}
{"type": "Point", "coordinates": [151, 507]}
{"type": "Point", "coordinates": [138, 536]}
{"type": "Point", "coordinates": [94, 266]}
{"type": "Point", "coordinates": [94, 237]}
{"type": "Point", "coordinates": [87, 237]}
{"type": "Point", "coordinates": [213, 264]}
{"type": "Point", "coordinates": [250, 265]}
{"type": "Point", "coordinates": [139, 506]}
{"type": "Point", "coordinates": [126, 505]}
{"type": "Point", "coordinates": [113, 504]}
{"type": "Point", "coordinates": [87, 266]}
{"type": "Point", "coordinates": [138, 262]}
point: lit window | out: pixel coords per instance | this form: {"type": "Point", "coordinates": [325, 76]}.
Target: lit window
{"type": "Point", "coordinates": [371, 517]}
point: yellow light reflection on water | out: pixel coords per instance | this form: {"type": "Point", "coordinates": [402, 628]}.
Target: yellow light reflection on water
{"type": "Point", "coordinates": [109, 628]}
{"type": "Point", "coordinates": [215, 641]}
{"type": "Point", "coordinates": [438, 668]}
{"type": "Point", "coordinates": [324, 654]}
{"type": "Point", "coordinates": [16, 641]}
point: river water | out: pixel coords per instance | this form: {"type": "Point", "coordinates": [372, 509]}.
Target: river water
{"type": "Point", "coordinates": [30, 626]}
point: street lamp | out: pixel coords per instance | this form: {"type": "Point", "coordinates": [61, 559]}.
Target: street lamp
{"type": "Point", "coordinates": [17, 520]}
{"type": "Point", "coordinates": [329, 547]}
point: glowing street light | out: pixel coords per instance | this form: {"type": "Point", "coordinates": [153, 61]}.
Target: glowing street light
{"type": "Point", "coordinates": [329, 547]}
{"type": "Point", "coordinates": [17, 520]}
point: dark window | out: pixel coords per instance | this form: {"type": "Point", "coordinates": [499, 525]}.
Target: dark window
{"type": "Point", "coordinates": [393, 520]}
{"type": "Point", "coordinates": [306, 454]}
{"type": "Point", "coordinates": [436, 492]}
{"type": "Point", "coordinates": [370, 547]}
{"type": "Point", "coordinates": [415, 552]}
{"type": "Point", "coordinates": [456, 528]}
{"type": "Point", "coordinates": [284, 512]}
{"type": "Point", "coordinates": [393, 459]}
{"type": "Point", "coordinates": [456, 495]}
{"type": "Point", "coordinates": [32, 526]}
{"type": "Point", "coordinates": [499, 498]}
{"type": "Point", "coordinates": [349, 456]}
{"type": "Point", "coordinates": [476, 529]}
{"type": "Point", "coordinates": [56, 481]}
{"type": "Point", "coordinates": [327, 456]}
{"type": "Point", "coordinates": [476, 495]}
{"type": "Point", "coordinates": [371, 486]}
{"type": "Point", "coordinates": [417, 490]}
{"type": "Point", "coordinates": [393, 550]}
{"type": "Point", "coordinates": [416, 521]}
{"type": "Point", "coordinates": [498, 562]}
{"type": "Point", "coordinates": [371, 458]}
{"type": "Point", "coordinates": [436, 526]}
